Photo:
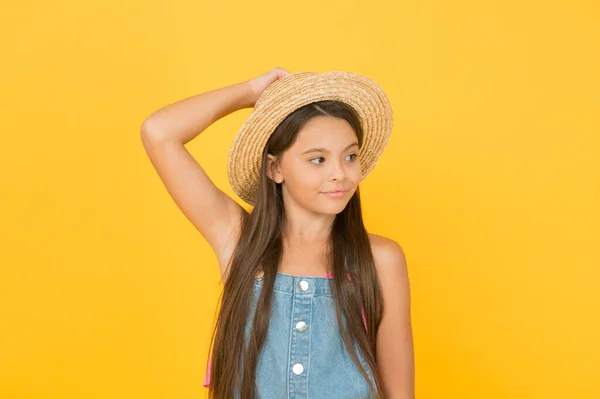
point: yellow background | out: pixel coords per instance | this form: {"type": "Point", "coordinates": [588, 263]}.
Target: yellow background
{"type": "Point", "coordinates": [490, 183]}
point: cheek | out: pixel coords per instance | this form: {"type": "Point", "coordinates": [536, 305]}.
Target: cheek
{"type": "Point", "coordinates": [305, 178]}
{"type": "Point", "coordinates": [354, 174]}
{"type": "Point", "coordinates": [311, 179]}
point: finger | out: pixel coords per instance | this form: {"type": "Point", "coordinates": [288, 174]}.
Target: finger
{"type": "Point", "coordinates": [282, 72]}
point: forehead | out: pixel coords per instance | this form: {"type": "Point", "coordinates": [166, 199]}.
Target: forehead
{"type": "Point", "coordinates": [328, 132]}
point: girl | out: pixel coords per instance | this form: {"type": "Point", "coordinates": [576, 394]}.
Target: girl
{"type": "Point", "coordinates": [313, 306]}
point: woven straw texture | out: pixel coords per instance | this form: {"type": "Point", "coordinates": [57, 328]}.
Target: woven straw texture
{"type": "Point", "coordinates": [291, 92]}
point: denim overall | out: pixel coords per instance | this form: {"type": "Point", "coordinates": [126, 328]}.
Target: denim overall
{"type": "Point", "coordinates": [304, 355]}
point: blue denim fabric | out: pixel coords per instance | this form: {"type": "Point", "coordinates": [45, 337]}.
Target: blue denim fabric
{"type": "Point", "coordinates": [305, 361]}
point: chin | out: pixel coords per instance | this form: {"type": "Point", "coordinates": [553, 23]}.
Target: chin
{"type": "Point", "coordinates": [334, 208]}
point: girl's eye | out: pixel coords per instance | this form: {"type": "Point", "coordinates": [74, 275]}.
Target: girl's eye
{"type": "Point", "coordinates": [350, 155]}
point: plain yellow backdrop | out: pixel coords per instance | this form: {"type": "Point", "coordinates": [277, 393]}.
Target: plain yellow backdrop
{"type": "Point", "coordinates": [490, 183]}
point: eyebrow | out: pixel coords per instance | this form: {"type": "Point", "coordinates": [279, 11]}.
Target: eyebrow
{"type": "Point", "coordinates": [326, 150]}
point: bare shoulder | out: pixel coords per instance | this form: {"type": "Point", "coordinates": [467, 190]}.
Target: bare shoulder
{"type": "Point", "coordinates": [391, 267]}
{"type": "Point", "coordinates": [388, 255]}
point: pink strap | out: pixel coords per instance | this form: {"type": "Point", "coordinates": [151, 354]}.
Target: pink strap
{"type": "Point", "coordinates": [206, 382]}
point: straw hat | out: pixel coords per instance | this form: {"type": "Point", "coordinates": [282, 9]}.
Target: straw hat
{"type": "Point", "coordinates": [293, 91]}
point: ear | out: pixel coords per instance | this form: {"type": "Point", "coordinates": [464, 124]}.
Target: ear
{"type": "Point", "coordinates": [274, 169]}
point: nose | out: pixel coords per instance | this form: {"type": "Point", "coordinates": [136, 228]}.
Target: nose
{"type": "Point", "coordinates": [338, 171]}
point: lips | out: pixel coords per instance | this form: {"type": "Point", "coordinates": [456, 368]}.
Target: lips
{"type": "Point", "coordinates": [336, 193]}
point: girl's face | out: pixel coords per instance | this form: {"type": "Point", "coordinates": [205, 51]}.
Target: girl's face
{"type": "Point", "coordinates": [323, 158]}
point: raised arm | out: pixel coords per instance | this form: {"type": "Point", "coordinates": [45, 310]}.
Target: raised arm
{"type": "Point", "coordinates": [164, 135]}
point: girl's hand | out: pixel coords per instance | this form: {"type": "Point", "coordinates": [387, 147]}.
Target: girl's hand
{"type": "Point", "coordinates": [260, 83]}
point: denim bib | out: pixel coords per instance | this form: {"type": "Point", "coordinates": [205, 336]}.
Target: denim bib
{"type": "Point", "coordinates": [304, 355]}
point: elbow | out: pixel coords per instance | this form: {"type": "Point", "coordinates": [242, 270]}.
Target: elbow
{"type": "Point", "coordinates": [149, 132]}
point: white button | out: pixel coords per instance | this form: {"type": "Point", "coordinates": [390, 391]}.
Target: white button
{"type": "Point", "coordinates": [298, 368]}
{"type": "Point", "coordinates": [303, 285]}
{"type": "Point", "coordinates": [301, 326]}
{"type": "Point", "coordinates": [259, 275]}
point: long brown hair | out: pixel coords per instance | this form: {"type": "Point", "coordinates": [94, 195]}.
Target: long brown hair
{"type": "Point", "coordinates": [261, 243]}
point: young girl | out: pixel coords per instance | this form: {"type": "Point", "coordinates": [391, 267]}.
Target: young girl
{"type": "Point", "coordinates": [313, 306]}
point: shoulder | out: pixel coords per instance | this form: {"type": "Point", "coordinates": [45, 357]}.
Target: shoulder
{"type": "Point", "coordinates": [387, 253]}
{"type": "Point", "coordinates": [390, 264]}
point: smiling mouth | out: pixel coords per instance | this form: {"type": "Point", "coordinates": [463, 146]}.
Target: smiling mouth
{"type": "Point", "coordinates": [335, 194]}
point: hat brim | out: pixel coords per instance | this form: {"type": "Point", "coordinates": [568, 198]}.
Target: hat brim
{"type": "Point", "coordinates": [293, 91]}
